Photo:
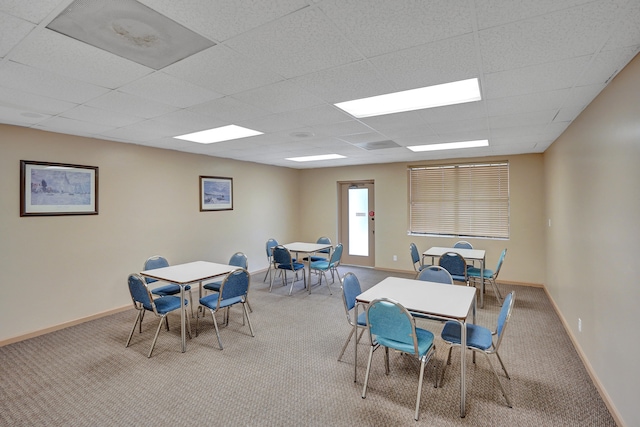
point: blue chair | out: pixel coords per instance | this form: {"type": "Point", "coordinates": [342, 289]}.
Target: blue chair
{"type": "Point", "coordinates": [489, 276]}
{"type": "Point", "coordinates": [480, 339]}
{"type": "Point", "coordinates": [350, 290]}
{"type": "Point", "coordinates": [284, 262]}
{"type": "Point", "coordinates": [455, 264]}
{"type": "Point", "coordinates": [325, 241]}
{"type": "Point", "coordinates": [435, 273]}
{"type": "Point", "coordinates": [144, 301]}
{"type": "Point", "coordinates": [415, 258]}
{"type": "Point", "coordinates": [463, 244]}
{"type": "Point", "coordinates": [392, 326]}
{"type": "Point", "coordinates": [233, 290]}
{"type": "Point", "coordinates": [271, 243]}
{"type": "Point", "coordinates": [330, 264]}
{"type": "Point", "coordinates": [238, 259]}
{"type": "Point", "coordinates": [165, 290]}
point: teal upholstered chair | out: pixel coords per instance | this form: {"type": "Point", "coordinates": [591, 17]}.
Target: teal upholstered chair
{"type": "Point", "coordinates": [238, 259]}
{"type": "Point", "coordinates": [271, 243]}
{"type": "Point", "coordinates": [435, 273]}
{"type": "Point", "coordinates": [233, 290]}
{"type": "Point", "coordinates": [323, 265]}
{"type": "Point", "coordinates": [415, 258]}
{"type": "Point", "coordinates": [350, 290]}
{"type": "Point", "coordinates": [392, 326]}
{"type": "Point", "coordinates": [489, 276]}
{"type": "Point", "coordinates": [164, 290]}
{"type": "Point", "coordinates": [144, 301]}
{"type": "Point", "coordinates": [455, 264]}
{"type": "Point", "coordinates": [481, 339]}
{"type": "Point", "coordinates": [285, 262]}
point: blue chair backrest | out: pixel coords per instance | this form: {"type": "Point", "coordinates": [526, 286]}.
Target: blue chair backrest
{"type": "Point", "coordinates": [500, 261]}
{"type": "Point", "coordinates": [350, 289]}
{"type": "Point", "coordinates": [139, 291]}
{"type": "Point", "coordinates": [271, 243]}
{"type": "Point", "coordinates": [325, 241]}
{"type": "Point", "coordinates": [239, 260]}
{"type": "Point", "coordinates": [415, 256]}
{"type": "Point", "coordinates": [153, 263]}
{"type": "Point", "coordinates": [454, 264]}
{"type": "Point", "coordinates": [336, 255]}
{"type": "Point", "coordinates": [436, 274]}
{"type": "Point", "coordinates": [390, 320]}
{"type": "Point", "coordinates": [505, 312]}
{"type": "Point", "coordinates": [463, 245]}
{"type": "Point", "coordinates": [236, 284]}
{"type": "Point", "coordinates": [281, 255]}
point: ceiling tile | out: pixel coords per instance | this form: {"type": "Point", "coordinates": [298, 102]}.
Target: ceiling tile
{"type": "Point", "coordinates": [380, 26]}
{"type": "Point", "coordinates": [37, 81]}
{"type": "Point", "coordinates": [130, 104]}
{"type": "Point", "coordinates": [48, 50]}
{"type": "Point", "coordinates": [170, 90]}
{"type": "Point", "coordinates": [577, 31]}
{"type": "Point", "coordinates": [297, 44]}
{"type": "Point", "coordinates": [12, 31]}
{"type": "Point", "coordinates": [222, 70]}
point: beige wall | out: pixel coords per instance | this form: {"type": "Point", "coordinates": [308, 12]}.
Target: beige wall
{"type": "Point", "coordinates": [525, 260]}
{"type": "Point", "coordinates": [593, 199]}
{"type": "Point", "coordinates": [56, 270]}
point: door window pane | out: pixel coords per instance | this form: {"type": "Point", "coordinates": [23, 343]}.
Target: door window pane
{"type": "Point", "coordinates": [358, 224]}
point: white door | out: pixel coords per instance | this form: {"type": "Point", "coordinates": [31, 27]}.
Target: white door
{"type": "Point", "coordinates": [357, 223]}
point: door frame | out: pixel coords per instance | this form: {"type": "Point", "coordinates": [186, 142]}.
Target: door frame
{"type": "Point", "coordinates": [343, 231]}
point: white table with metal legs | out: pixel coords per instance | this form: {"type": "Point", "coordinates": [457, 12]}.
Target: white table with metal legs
{"type": "Point", "coordinates": [448, 302]}
{"type": "Point", "coordinates": [467, 254]}
{"type": "Point", "coordinates": [185, 274]}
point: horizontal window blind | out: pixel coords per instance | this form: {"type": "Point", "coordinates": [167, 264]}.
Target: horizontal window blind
{"type": "Point", "coordinates": [460, 200]}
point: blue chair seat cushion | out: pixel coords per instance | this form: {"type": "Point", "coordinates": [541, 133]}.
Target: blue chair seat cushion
{"type": "Point", "coordinates": [166, 304]}
{"type": "Point", "coordinates": [211, 301]}
{"type": "Point", "coordinates": [425, 341]}
{"type": "Point", "coordinates": [477, 336]}
{"type": "Point", "coordinates": [169, 290]}
{"type": "Point", "coordinates": [475, 272]}
{"type": "Point", "coordinates": [321, 265]}
{"type": "Point", "coordinates": [213, 286]}
{"type": "Point", "coordinates": [458, 278]}
{"type": "Point", "coordinates": [295, 266]}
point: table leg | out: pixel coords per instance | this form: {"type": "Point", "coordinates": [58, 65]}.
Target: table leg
{"type": "Point", "coordinates": [182, 320]}
{"type": "Point", "coordinates": [463, 367]}
{"type": "Point", "coordinates": [355, 348]}
{"type": "Point", "coordinates": [482, 283]}
{"type": "Point", "coordinates": [309, 272]}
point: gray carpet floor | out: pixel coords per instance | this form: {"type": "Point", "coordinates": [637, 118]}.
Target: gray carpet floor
{"type": "Point", "coordinates": [288, 374]}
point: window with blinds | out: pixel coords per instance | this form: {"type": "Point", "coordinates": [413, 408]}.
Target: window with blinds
{"type": "Point", "coordinates": [460, 200]}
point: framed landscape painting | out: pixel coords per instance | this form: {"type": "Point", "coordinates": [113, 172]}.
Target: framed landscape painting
{"type": "Point", "coordinates": [57, 189]}
{"type": "Point", "coordinates": [216, 193]}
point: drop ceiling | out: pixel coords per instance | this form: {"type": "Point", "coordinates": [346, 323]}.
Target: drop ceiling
{"type": "Point", "coordinates": [280, 66]}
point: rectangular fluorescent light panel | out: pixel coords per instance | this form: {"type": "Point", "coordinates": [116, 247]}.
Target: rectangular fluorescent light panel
{"type": "Point", "coordinates": [414, 99]}
{"type": "Point", "coordinates": [224, 133]}
{"type": "Point", "coordinates": [450, 145]}
{"type": "Point", "coordinates": [316, 158]}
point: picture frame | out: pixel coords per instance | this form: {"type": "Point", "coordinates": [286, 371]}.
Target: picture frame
{"type": "Point", "coordinates": [48, 189]}
{"type": "Point", "coordinates": [216, 193]}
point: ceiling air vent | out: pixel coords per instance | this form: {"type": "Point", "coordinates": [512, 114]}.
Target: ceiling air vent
{"type": "Point", "coordinates": [130, 30]}
{"type": "Point", "coordinates": [377, 145]}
